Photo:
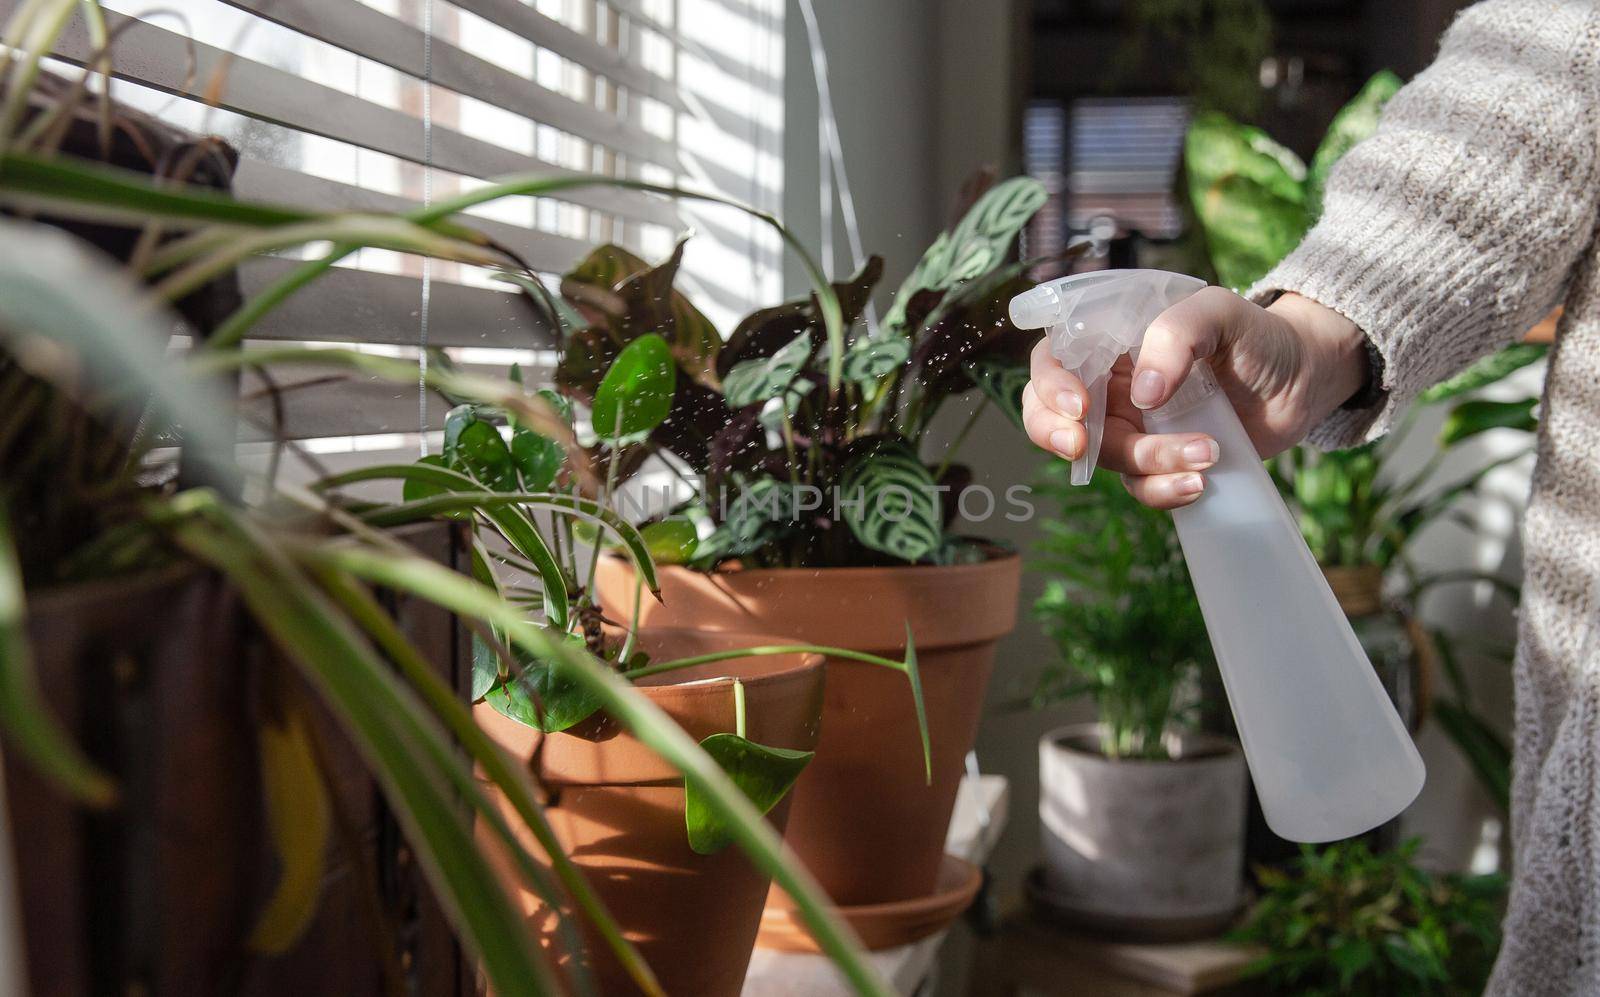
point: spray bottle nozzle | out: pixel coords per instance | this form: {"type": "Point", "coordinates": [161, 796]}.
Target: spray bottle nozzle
{"type": "Point", "coordinates": [1092, 319]}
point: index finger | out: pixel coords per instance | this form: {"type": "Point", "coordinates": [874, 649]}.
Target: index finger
{"type": "Point", "coordinates": [1055, 386]}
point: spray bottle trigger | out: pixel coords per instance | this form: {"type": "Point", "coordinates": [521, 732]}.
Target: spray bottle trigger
{"type": "Point", "coordinates": [1094, 422]}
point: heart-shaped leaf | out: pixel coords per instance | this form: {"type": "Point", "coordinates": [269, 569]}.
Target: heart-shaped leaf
{"type": "Point", "coordinates": [475, 447]}
{"type": "Point", "coordinates": [763, 774]}
{"type": "Point", "coordinates": [636, 393]}
{"type": "Point", "coordinates": [543, 695]}
{"type": "Point", "coordinates": [754, 381]}
{"type": "Point", "coordinates": [538, 459]}
{"type": "Point", "coordinates": [670, 541]}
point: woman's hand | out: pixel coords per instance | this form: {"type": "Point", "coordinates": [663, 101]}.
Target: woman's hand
{"type": "Point", "coordinates": [1284, 368]}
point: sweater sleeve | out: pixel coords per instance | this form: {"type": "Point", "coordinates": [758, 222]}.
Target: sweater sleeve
{"type": "Point", "coordinates": [1459, 223]}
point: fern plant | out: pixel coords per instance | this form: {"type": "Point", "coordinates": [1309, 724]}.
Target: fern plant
{"type": "Point", "coordinates": [1344, 921]}
{"type": "Point", "coordinates": [1121, 609]}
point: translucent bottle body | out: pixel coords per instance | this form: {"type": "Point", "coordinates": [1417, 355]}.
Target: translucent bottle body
{"type": "Point", "coordinates": [1329, 754]}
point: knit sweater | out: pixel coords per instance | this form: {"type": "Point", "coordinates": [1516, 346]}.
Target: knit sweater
{"type": "Point", "coordinates": [1468, 216]}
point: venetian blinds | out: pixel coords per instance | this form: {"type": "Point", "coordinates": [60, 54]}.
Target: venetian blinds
{"type": "Point", "coordinates": [386, 104]}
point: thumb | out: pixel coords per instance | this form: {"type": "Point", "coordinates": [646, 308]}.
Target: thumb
{"type": "Point", "coordinates": [1188, 331]}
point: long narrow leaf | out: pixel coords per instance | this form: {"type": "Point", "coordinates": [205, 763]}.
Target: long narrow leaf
{"type": "Point", "coordinates": [468, 494]}
{"type": "Point", "coordinates": [511, 780]}
{"type": "Point", "coordinates": [385, 721]}
{"type": "Point", "coordinates": [642, 718]}
{"type": "Point", "coordinates": [65, 314]}
{"type": "Point", "coordinates": [25, 720]}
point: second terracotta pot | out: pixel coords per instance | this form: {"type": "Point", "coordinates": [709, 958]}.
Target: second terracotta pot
{"type": "Point", "coordinates": [864, 820]}
{"type": "Point", "coordinates": [617, 809]}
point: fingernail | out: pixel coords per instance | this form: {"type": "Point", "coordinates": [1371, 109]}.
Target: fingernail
{"type": "Point", "coordinates": [1200, 453]}
{"type": "Point", "coordinates": [1189, 484]}
{"type": "Point", "coordinates": [1062, 442]}
{"type": "Point", "coordinates": [1069, 405]}
{"type": "Point", "coordinates": [1148, 388]}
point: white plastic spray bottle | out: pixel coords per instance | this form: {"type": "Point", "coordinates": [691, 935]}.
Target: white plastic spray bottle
{"type": "Point", "coordinates": [1328, 753]}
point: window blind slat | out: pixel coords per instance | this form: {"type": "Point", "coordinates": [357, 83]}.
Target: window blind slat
{"type": "Point", "coordinates": [546, 32]}
{"type": "Point", "coordinates": [159, 58]}
{"type": "Point", "coordinates": [358, 28]}
{"type": "Point", "coordinates": [354, 306]}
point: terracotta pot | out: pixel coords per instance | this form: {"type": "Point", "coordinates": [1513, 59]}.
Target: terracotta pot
{"type": "Point", "coordinates": [617, 810]}
{"type": "Point", "coordinates": [865, 821]}
{"type": "Point", "coordinates": [1141, 845]}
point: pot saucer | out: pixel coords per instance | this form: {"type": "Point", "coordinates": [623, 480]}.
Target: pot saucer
{"type": "Point", "coordinates": [1052, 906]}
{"type": "Point", "coordinates": [882, 925]}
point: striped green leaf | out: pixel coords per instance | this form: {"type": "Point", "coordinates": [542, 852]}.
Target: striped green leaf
{"type": "Point", "coordinates": [890, 501]}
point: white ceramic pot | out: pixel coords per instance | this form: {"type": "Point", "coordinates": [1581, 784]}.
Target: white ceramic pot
{"type": "Point", "coordinates": [1136, 842]}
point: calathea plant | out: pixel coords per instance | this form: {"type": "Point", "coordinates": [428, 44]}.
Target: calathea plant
{"type": "Point", "coordinates": [803, 433]}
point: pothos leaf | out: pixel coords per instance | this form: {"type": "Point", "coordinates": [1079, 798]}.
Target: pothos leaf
{"type": "Point", "coordinates": [763, 774]}
{"type": "Point", "coordinates": [867, 360]}
{"type": "Point", "coordinates": [476, 448]}
{"type": "Point", "coordinates": [538, 459]}
{"type": "Point", "coordinates": [890, 501]}
{"type": "Point", "coordinates": [670, 541]}
{"type": "Point", "coordinates": [757, 380]}
{"type": "Point", "coordinates": [543, 695]}
{"type": "Point", "coordinates": [636, 394]}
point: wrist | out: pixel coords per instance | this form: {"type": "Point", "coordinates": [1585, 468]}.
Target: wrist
{"type": "Point", "coordinates": [1337, 365]}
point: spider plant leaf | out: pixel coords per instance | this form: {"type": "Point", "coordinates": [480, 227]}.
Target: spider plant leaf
{"type": "Point", "coordinates": [466, 494]}
{"type": "Point", "coordinates": [299, 820]}
{"type": "Point", "coordinates": [635, 396]}
{"type": "Point", "coordinates": [512, 780]}
{"type": "Point", "coordinates": [764, 774]}
{"type": "Point", "coordinates": [1487, 371]}
{"type": "Point", "coordinates": [29, 726]}
{"type": "Point", "coordinates": [417, 488]}
{"type": "Point", "coordinates": [891, 503]}
{"type": "Point", "coordinates": [754, 381]}
{"type": "Point", "coordinates": [645, 720]}
{"type": "Point", "coordinates": [400, 741]}
{"type": "Point", "coordinates": [432, 490]}
{"type": "Point", "coordinates": [71, 319]}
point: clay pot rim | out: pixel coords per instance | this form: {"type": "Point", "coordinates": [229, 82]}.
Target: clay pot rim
{"type": "Point", "coordinates": [776, 674]}
{"type": "Point", "coordinates": [998, 556]}
{"type": "Point", "coordinates": [1207, 748]}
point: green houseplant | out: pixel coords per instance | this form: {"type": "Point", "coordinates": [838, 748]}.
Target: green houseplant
{"type": "Point", "coordinates": [611, 808]}
{"type": "Point", "coordinates": [83, 345]}
{"type": "Point", "coordinates": [821, 521]}
{"type": "Point", "coordinates": [1142, 820]}
{"type": "Point", "coordinates": [1358, 510]}
{"type": "Point", "coordinates": [1344, 920]}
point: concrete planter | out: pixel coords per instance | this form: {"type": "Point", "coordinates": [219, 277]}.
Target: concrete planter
{"type": "Point", "coordinates": [1141, 846]}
